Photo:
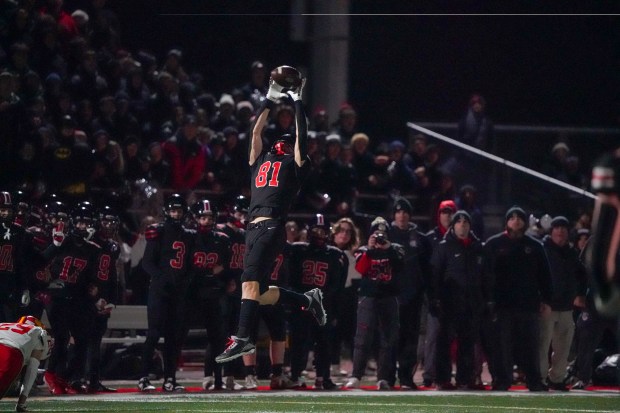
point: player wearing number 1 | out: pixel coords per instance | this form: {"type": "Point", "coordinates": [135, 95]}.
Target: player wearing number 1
{"type": "Point", "coordinates": [277, 173]}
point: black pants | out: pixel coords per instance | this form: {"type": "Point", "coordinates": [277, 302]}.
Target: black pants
{"type": "Point", "coordinates": [462, 323]}
{"type": "Point", "coordinates": [166, 312]}
{"type": "Point", "coordinates": [98, 329]}
{"type": "Point", "coordinates": [376, 314]}
{"type": "Point", "coordinates": [519, 330]}
{"type": "Point", "coordinates": [589, 330]}
{"type": "Point", "coordinates": [210, 310]}
{"type": "Point", "coordinates": [70, 318]}
{"type": "Point", "coordinates": [409, 334]}
{"type": "Point", "coordinates": [305, 335]}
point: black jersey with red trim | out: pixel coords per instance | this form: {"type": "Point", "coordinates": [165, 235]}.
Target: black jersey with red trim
{"type": "Point", "coordinates": [318, 267]}
{"type": "Point", "coordinates": [168, 250]}
{"type": "Point", "coordinates": [237, 250]}
{"type": "Point", "coordinates": [107, 275]}
{"type": "Point", "coordinates": [75, 264]}
{"type": "Point", "coordinates": [36, 265]}
{"type": "Point", "coordinates": [276, 180]}
{"type": "Point", "coordinates": [211, 249]}
{"type": "Point", "coordinates": [12, 243]}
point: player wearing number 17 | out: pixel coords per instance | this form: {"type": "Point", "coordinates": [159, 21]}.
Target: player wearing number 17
{"type": "Point", "coordinates": [277, 174]}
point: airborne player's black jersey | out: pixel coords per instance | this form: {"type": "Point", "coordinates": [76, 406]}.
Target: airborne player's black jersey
{"type": "Point", "coordinates": [314, 267]}
{"type": "Point", "coordinates": [211, 249]}
{"type": "Point", "coordinates": [168, 248]}
{"type": "Point", "coordinates": [276, 180]}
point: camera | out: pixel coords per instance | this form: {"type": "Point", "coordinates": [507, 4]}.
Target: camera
{"type": "Point", "coordinates": [380, 239]}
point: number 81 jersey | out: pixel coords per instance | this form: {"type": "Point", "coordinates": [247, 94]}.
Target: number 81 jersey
{"type": "Point", "coordinates": [276, 180]}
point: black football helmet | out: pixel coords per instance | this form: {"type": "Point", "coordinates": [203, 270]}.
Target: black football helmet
{"type": "Point", "coordinates": [83, 221]}
{"type": "Point", "coordinates": [175, 201]}
{"type": "Point", "coordinates": [283, 145]}
{"type": "Point", "coordinates": [203, 208]}
{"type": "Point", "coordinates": [22, 207]}
{"type": "Point", "coordinates": [319, 232]}
{"type": "Point", "coordinates": [6, 208]}
{"type": "Point", "coordinates": [602, 253]}
{"type": "Point", "coordinates": [239, 212]}
{"type": "Point", "coordinates": [107, 222]}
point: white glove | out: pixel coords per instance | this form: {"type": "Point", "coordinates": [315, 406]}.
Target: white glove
{"type": "Point", "coordinates": [25, 298]}
{"type": "Point", "coordinates": [296, 93]}
{"type": "Point", "coordinates": [58, 235]}
{"type": "Point", "coordinates": [275, 91]}
{"type": "Point", "coordinates": [56, 284]}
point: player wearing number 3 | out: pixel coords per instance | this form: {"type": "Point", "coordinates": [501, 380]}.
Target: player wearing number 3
{"type": "Point", "coordinates": [166, 259]}
{"type": "Point", "coordinates": [277, 174]}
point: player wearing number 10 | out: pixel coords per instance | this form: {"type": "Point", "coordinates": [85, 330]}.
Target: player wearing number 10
{"type": "Point", "coordinates": [277, 173]}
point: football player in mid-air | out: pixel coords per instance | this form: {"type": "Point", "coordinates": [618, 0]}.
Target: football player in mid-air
{"type": "Point", "coordinates": [277, 173]}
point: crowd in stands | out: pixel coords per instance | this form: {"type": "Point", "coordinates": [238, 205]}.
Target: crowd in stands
{"type": "Point", "coordinates": [85, 119]}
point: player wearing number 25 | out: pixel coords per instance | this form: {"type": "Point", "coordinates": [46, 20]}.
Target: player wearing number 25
{"type": "Point", "coordinates": [277, 174]}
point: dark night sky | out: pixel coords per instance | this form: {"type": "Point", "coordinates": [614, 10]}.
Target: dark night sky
{"type": "Point", "coordinates": [551, 70]}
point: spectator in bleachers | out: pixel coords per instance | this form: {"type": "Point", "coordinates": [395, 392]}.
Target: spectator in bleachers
{"type": "Point", "coordinates": [185, 155]}
{"type": "Point", "coordinates": [67, 27]}
{"type": "Point", "coordinates": [238, 153]}
{"type": "Point", "coordinates": [172, 65]}
{"type": "Point", "coordinates": [346, 124]}
{"type": "Point", "coordinates": [418, 145]}
{"type": "Point", "coordinates": [126, 122]}
{"type": "Point", "coordinates": [162, 103]}
{"type": "Point", "coordinates": [87, 82]}
{"type": "Point", "coordinates": [12, 112]}
{"type": "Point", "coordinates": [134, 159]}
{"type": "Point", "coordinates": [159, 168]}
{"type": "Point", "coordinates": [219, 168]}
{"type": "Point", "coordinates": [245, 116]}
{"type": "Point", "coordinates": [320, 120]}
{"type": "Point", "coordinates": [467, 201]}
{"type": "Point", "coordinates": [256, 88]}
{"type": "Point", "coordinates": [363, 161]}
{"type": "Point", "coordinates": [402, 180]}
{"type": "Point", "coordinates": [138, 93]}
{"type": "Point", "coordinates": [225, 115]}
{"type": "Point", "coordinates": [284, 123]}
{"type": "Point", "coordinates": [107, 153]}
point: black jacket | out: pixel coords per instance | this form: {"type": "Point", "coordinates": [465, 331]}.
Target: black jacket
{"type": "Point", "coordinates": [568, 275]}
{"type": "Point", "coordinates": [518, 272]}
{"type": "Point", "coordinates": [458, 271]}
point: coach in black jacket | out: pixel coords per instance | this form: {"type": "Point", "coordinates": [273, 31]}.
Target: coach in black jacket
{"type": "Point", "coordinates": [457, 264]}
{"type": "Point", "coordinates": [520, 283]}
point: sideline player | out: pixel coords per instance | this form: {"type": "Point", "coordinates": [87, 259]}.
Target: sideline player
{"type": "Point", "coordinates": [24, 343]}
{"type": "Point", "coordinates": [277, 173]}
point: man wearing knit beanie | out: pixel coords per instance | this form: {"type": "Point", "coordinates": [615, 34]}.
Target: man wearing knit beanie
{"type": "Point", "coordinates": [519, 279]}
{"type": "Point", "coordinates": [457, 268]}
{"type": "Point", "coordinates": [411, 296]}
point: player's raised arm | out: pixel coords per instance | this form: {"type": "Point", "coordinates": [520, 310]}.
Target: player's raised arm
{"type": "Point", "coordinates": [256, 145]}
{"type": "Point", "coordinates": [301, 141]}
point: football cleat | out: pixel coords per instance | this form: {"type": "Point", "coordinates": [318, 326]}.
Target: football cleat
{"type": "Point", "coordinates": [383, 385]}
{"type": "Point", "coordinates": [53, 383]}
{"type": "Point", "coordinates": [98, 387]}
{"type": "Point", "coordinates": [280, 382]}
{"type": "Point", "coordinates": [235, 348]}
{"type": "Point", "coordinates": [353, 383]}
{"type": "Point", "coordinates": [316, 305]}
{"type": "Point", "coordinates": [170, 385]}
{"type": "Point", "coordinates": [250, 382]}
{"type": "Point", "coordinates": [231, 384]}
{"type": "Point", "coordinates": [144, 385]}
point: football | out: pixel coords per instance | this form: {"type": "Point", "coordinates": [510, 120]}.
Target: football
{"type": "Point", "coordinates": [286, 76]}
